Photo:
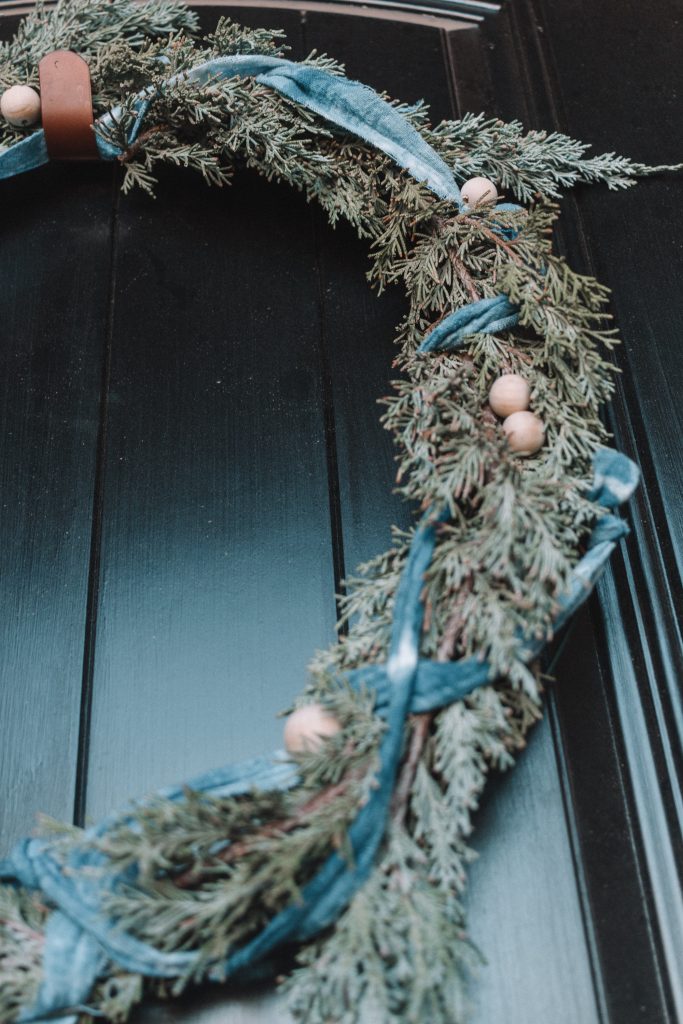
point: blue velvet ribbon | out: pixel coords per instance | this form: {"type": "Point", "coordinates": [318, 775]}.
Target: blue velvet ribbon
{"type": "Point", "coordinates": [487, 316]}
{"type": "Point", "coordinates": [349, 105]}
{"type": "Point", "coordinates": [81, 939]}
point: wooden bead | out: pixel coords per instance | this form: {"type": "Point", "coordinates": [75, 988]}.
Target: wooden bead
{"type": "Point", "coordinates": [308, 727]}
{"type": "Point", "coordinates": [479, 190]}
{"type": "Point", "coordinates": [510, 393]}
{"type": "Point", "coordinates": [20, 105]}
{"type": "Point", "coordinates": [525, 432]}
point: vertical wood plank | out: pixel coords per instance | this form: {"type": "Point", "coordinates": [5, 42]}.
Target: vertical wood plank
{"type": "Point", "coordinates": [606, 837]}
{"type": "Point", "coordinates": [524, 913]}
{"type": "Point", "coordinates": [216, 569]}
{"type": "Point", "coordinates": [216, 565]}
{"type": "Point", "coordinates": [217, 579]}
{"type": "Point", "coordinates": [54, 268]}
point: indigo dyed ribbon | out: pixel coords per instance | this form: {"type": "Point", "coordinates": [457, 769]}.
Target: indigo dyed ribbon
{"type": "Point", "coordinates": [81, 939]}
{"type": "Point", "coordinates": [354, 107]}
{"type": "Point", "coordinates": [484, 317]}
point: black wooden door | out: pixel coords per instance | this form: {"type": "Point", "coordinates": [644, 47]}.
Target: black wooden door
{"type": "Point", "coordinates": [192, 459]}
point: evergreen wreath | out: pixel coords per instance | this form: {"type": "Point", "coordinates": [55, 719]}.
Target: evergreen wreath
{"type": "Point", "coordinates": [354, 845]}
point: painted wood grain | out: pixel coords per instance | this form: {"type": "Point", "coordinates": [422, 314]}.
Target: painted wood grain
{"type": "Point", "coordinates": [216, 568]}
{"type": "Point", "coordinates": [54, 264]}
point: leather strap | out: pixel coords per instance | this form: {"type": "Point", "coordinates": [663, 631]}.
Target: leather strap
{"type": "Point", "coordinates": [66, 106]}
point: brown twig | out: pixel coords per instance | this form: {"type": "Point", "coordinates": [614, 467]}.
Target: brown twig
{"type": "Point", "coordinates": [421, 724]}
{"type": "Point", "coordinates": [22, 929]}
{"type": "Point", "coordinates": [195, 875]}
{"type": "Point", "coordinates": [134, 147]}
{"type": "Point", "coordinates": [523, 357]}
{"type": "Point", "coordinates": [455, 624]}
{"type": "Point", "coordinates": [497, 239]}
{"type": "Point", "coordinates": [464, 275]}
{"type": "Point", "coordinates": [418, 738]}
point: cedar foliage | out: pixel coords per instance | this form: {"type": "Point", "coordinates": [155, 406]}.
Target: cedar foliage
{"type": "Point", "coordinates": [400, 952]}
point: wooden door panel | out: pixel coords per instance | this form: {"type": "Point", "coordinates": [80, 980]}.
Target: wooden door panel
{"type": "Point", "coordinates": [201, 452]}
{"type": "Point", "coordinates": [216, 568]}
{"type": "Point", "coordinates": [54, 267]}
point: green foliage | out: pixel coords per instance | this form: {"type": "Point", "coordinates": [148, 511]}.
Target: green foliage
{"type": "Point", "coordinates": [115, 997]}
{"type": "Point", "coordinates": [22, 919]}
{"type": "Point", "coordinates": [528, 163]}
{"type": "Point", "coordinates": [211, 871]}
{"type": "Point", "coordinates": [90, 27]}
{"type": "Point", "coordinates": [398, 954]}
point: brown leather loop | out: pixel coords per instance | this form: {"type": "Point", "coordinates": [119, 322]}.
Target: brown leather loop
{"type": "Point", "coordinates": [66, 106]}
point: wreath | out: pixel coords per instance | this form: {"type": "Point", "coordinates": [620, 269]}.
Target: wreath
{"type": "Point", "coordinates": [352, 845]}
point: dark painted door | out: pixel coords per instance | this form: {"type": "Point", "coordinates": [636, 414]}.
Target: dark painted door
{"type": "Point", "coordinates": [192, 459]}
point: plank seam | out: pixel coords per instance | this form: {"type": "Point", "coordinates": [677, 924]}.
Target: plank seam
{"type": "Point", "coordinates": [571, 825]}
{"type": "Point", "coordinates": [330, 433]}
{"type": "Point", "coordinates": [92, 599]}
{"type": "Point", "coordinates": [329, 416]}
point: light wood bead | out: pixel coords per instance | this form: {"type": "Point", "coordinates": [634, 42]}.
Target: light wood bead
{"type": "Point", "coordinates": [479, 190]}
{"type": "Point", "coordinates": [20, 105]}
{"type": "Point", "coordinates": [510, 393]}
{"type": "Point", "coordinates": [308, 727]}
{"type": "Point", "coordinates": [525, 432]}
